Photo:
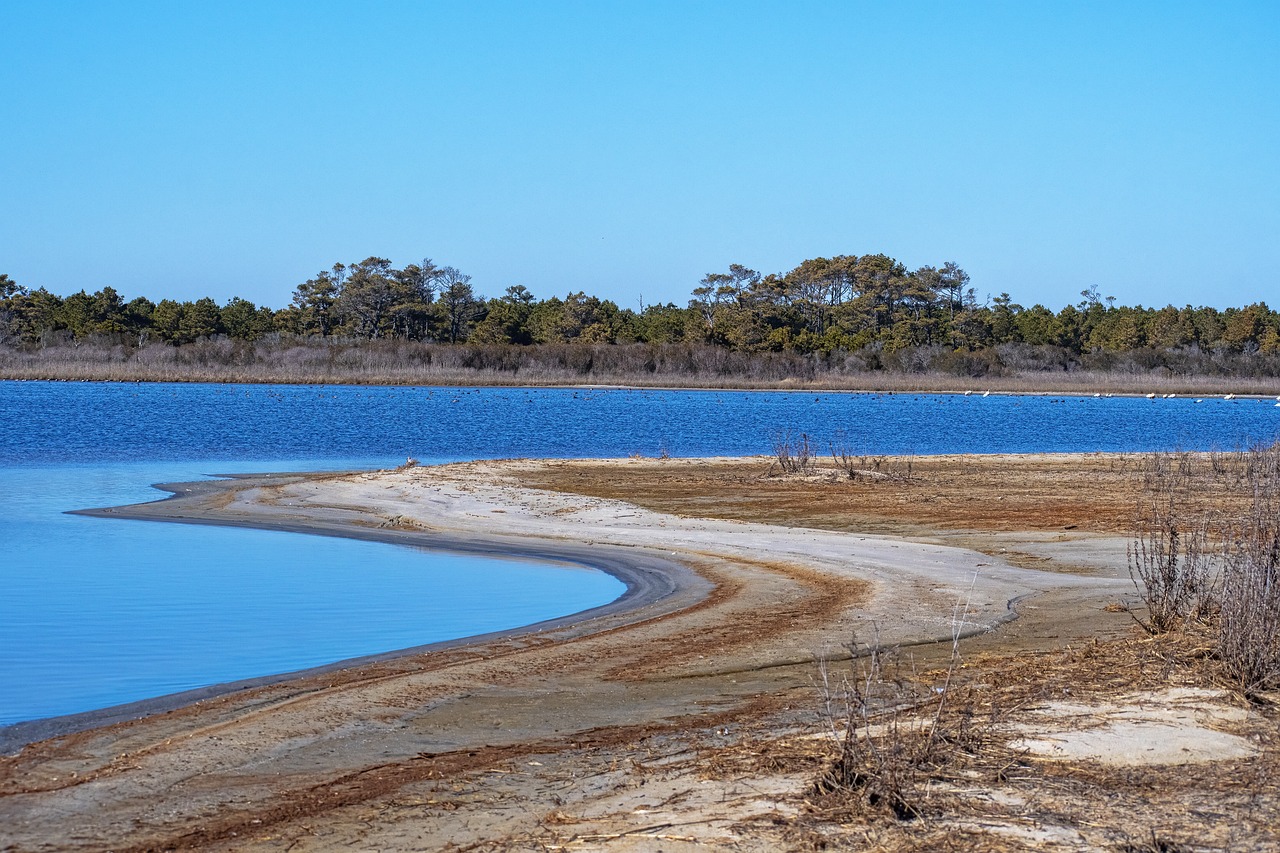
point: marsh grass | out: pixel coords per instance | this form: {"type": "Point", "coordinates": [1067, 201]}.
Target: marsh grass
{"type": "Point", "coordinates": [282, 359]}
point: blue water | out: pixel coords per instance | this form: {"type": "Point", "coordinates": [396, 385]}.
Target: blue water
{"type": "Point", "coordinates": [100, 611]}
{"type": "Point", "coordinates": [80, 422]}
{"type": "Point", "coordinates": [96, 612]}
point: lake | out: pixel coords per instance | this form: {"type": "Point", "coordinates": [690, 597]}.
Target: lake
{"type": "Point", "coordinates": [97, 612]}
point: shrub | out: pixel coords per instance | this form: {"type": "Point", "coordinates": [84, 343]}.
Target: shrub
{"type": "Point", "coordinates": [1168, 562]}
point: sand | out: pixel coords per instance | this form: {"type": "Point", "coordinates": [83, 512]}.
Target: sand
{"type": "Point", "coordinates": [591, 727]}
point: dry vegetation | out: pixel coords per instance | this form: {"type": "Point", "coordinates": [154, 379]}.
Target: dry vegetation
{"type": "Point", "coordinates": [907, 741]}
{"type": "Point", "coordinates": [398, 362]}
{"type": "Point", "coordinates": [934, 768]}
{"type": "Point", "coordinates": [921, 756]}
{"type": "Point", "coordinates": [1094, 492]}
{"type": "Point", "coordinates": [911, 747]}
{"type": "Point", "coordinates": [1181, 531]}
{"type": "Point", "coordinates": [962, 747]}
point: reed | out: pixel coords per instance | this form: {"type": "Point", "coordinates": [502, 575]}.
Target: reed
{"type": "Point", "coordinates": [279, 359]}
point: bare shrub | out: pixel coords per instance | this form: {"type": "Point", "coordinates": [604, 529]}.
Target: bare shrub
{"type": "Point", "coordinates": [1177, 532]}
{"type": "Point", "coordinates": [1168, 562]}
{"type": "Point", "coordinates": [862, 466]}
{"type": "Point", "coordinates": [880, 749]}
{"type": "Point", "coordinates": [1249, 621]}
{"type": "Point", "coordinates": [793, 454]}
{"type": "Point", "coordinates": [896, 733]}
{"type": "Point", "coordinates": [843, 455]}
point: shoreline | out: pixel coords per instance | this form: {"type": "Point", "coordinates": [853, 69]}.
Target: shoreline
{"type": "Point", "coordinates": [652, 584]}
{"type": "Point", "coordinates": [995, 387]}
{"type": "Point", "coordinates": [736, 642]}
{"type": "Point", "coordinates": [655, 586]}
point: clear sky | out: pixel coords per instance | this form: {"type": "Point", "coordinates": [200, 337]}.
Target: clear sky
{"type": "Point", "coordinates": [627, 149]}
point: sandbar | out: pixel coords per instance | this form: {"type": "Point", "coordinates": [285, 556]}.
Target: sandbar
{"type": "Point", "coordinates": [721, 618]}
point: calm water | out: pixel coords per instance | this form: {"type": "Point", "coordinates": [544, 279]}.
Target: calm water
{"type": "Point", "coordinates": [96, 612]}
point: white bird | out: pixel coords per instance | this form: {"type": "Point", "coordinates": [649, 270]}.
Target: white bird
{"type": "Point", "coordinates": [967, 393]}
{"type": "Point", "coordinates": [1151, 396]}
{"type": "Point", "coordinates": [986, 393]}
{"type": "Point", "coordinates": [1199, 401]}
{"type": "Point", "coordinates": [1229, 397]}
{"type": "Point", "coordinates": [1097, 395]}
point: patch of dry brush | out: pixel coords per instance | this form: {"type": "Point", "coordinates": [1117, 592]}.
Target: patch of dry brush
{"type": "Point", "coordinates": [1182, 535]}
{"type": "Point", "coordinates": [923, 761]}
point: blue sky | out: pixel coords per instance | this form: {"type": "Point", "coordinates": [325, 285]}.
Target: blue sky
{"type": "Point", "coordinates": [222, 149]}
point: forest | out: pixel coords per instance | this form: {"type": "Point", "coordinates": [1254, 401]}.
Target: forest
{"type": "Point", "coordinates": [849, 313]}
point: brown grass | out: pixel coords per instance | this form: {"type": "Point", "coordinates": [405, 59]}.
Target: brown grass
{"type": "Point", "coordinates": [1085, 492]}
{"type": "Point", "coordinates": [337, 361]}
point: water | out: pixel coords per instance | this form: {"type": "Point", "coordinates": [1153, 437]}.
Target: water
{"type": "Point", "coordinates": [101, 611]}
{"type": "Point", "coordinates": [55, 423]}
{"type": "Point", "coordinates": [96, 612]}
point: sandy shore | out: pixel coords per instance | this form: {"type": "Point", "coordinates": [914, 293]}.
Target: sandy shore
{"type": "Point", "coordinates": [654, 585]}
{"type": "Point", "coordinates": [722, 622]}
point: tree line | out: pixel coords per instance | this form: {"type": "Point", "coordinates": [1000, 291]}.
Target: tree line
{"type": "Point", "coordinates": [869, 304]}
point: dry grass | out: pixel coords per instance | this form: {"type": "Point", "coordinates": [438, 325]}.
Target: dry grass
{"type": "Point", "coordinates": [1086, 492]}
{"type": "Point", "coordinates": [338, 361]}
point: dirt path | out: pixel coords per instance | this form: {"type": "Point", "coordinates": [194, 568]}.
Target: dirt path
{"type": "Point", "coordinates": [591, 727]}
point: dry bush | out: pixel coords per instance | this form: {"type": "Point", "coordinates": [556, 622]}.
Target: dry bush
{"type": "Point", "coordinates": [864, 466]}
{"type": "Point", "coordinates": [1249, 619]}
{"type": "Point", "coordinates": [896, 733]}
{"type": "Point", "coordinates": [1169, 565]}
{"type": "Point", "coordinates": [895, 737]}
{"type": "Point", "coordinates": [883, 750]}
{"type": "Point", "coordinates": [795, 455]}
{"type": "Point", "coordinates": [1178, 529]}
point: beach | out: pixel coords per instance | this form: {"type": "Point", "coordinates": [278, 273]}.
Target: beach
{"type": "Point", "coordinates": [565, 732]}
